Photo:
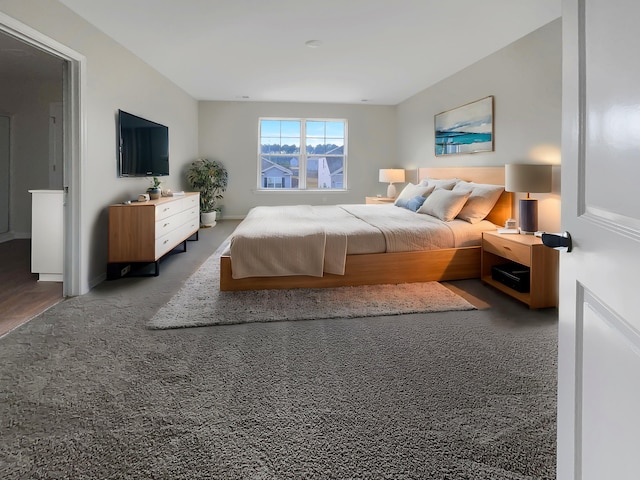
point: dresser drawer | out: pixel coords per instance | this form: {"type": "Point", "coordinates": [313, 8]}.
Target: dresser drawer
{"type": "Point", "coordinates": [173, 238]}
{"type": "Point", "coordinates": [503, 247]}
{"type": "Point", "coordinates": [168, 209]}
{"type": "Point", "coordinates": [173, 222]}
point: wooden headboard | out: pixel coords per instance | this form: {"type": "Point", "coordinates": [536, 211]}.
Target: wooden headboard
{"type": "Point", "coordinates": [503, 208]}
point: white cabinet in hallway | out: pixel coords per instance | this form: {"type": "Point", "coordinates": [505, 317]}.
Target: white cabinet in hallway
{"type": "Point", "coordinates": [47, 234]}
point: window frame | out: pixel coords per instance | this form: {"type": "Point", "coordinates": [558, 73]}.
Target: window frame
{"type": "Point", "coordinates": [303, 156]}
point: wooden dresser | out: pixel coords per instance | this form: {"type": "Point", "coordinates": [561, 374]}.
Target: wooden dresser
{"type": "Point", "coordinates": [142, 232]}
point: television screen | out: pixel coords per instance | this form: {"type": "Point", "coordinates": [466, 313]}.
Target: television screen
{"type": "Point", "coordinates": [143, 147]}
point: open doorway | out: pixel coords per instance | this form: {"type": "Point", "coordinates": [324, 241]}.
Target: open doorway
{"type": "Point", "coordinates": [40, 129]}
{"type": "Point", "coordinates": [30, 158]}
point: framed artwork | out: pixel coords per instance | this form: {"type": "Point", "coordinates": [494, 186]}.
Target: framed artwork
{"type": "Point", "coordinates": [465, 129]}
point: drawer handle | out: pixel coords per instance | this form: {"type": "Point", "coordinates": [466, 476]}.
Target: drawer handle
{"type": "Point", "coordinates": [165, 242]}
{"type": "Point", "coordinates": [165, 225]}
{"type": "Point", "coordinates": [507, 248]}
{"type": "Point", "coordinates": [167, 208]}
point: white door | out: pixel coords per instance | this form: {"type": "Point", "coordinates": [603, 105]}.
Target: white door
{"type": "Point", "coordinates": [599, 328]}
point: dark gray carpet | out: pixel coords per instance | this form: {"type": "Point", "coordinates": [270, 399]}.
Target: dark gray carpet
{"type": "Point", "coordinates": [87, 392]}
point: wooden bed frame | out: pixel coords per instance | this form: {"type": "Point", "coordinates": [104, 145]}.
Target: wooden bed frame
{"type": "Point", "coordinates": [400, 267]}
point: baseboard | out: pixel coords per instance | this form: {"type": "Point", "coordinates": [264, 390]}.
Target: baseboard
{"type": "Point", "coordinates": [97, 280]}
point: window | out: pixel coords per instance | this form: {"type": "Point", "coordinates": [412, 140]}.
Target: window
{"type": "Point", "coordinates": [302, 154]}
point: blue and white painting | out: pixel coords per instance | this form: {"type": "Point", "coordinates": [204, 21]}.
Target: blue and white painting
{"type": "Point", "coordinates": [466, 129]}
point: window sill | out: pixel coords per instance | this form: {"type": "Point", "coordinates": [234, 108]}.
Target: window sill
{"type": "Point", "coordinates": [288, 191]}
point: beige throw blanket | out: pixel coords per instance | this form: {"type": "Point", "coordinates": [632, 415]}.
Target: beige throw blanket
{"type": "Point", "coordinates": [286, 240]}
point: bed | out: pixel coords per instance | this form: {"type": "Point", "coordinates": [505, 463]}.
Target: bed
{"type": "Point", "coordinates": [366, 244]}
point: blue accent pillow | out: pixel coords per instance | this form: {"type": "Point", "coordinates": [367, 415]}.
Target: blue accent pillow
{"type": "Point", "coordinates": [401, 202]}
{"type": "Point", "coordinates": [415, 203]}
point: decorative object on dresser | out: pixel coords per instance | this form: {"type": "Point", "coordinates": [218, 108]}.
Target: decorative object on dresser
{"type": "Point", "coordinates": [143, 232]}
{"type": "Point", "coordinates": [210, 178]}
{"type": "Point", "coordinates": [528, 179]}
{"type": "Point", "coordinates": [154, 190]}
{"type": "Point", "coordinates": [391, 176]}
{"type": "Point", "coordinates": [465, 129]}
{"type": "Point", "coordinates": [514, 255]}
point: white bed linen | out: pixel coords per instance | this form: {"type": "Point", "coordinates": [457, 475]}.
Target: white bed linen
{"type": "Point", "coordinates": [312, 240]}
{"type": "Point", "coordinates": [406, 231]}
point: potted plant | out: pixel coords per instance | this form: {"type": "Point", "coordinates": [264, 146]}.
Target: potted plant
{"type": "Point", "coordinates": [210, 178]}
{"type": "Point", "coordinates": [154, 190]}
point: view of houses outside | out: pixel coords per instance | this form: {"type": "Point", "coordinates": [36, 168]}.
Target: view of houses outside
{"type": "Point", "coordinates": [286, 162]}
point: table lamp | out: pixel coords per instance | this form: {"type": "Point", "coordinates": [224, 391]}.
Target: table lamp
{"type": "Point", "coordinates": [391, 176]}
{"type": "Point", "coordinates": [528, 179]}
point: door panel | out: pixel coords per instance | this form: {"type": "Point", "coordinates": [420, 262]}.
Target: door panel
{"type": "Point", "coordinates": [599, 329]}
{"type": "Point", "coordinates": [611, 352]}
{"type": "Point", "coordinates": [612, 107]}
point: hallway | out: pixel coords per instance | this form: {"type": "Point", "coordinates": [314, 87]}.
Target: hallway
{"type": "Point", "coordinates": [21, 295]}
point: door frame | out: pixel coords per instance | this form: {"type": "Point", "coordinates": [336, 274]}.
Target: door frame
{"type": "Point", "coordinates": [74, 144]}
{"type": "Point", "coordinates": [8, 235]}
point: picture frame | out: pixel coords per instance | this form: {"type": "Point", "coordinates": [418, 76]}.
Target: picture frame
{"type": "Point", "coordinates": [465, 129]}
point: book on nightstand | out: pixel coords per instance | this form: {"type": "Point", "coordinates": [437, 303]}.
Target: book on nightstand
{"type": "Point", "coordinates": [508, 230]}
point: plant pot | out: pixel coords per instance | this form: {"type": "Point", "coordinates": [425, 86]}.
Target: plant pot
{"type": "Point", "coordinates": [208, 219]}
{"type": "Point", "coordinates": [154, 193]}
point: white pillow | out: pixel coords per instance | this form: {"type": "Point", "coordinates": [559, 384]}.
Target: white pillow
{"type": "Point", "coordinates": [482, 199]}
{"type": "Point", "coordinates": [444, 204]}
{"type": "Point", "coordinates": [411, 191]}
{"type": "Point", "coordinates": [438, 183]}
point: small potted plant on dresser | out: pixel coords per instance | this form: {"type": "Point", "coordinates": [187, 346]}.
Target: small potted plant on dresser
{"type": "Point", "coordinates": [154, 190]}
{"type": "Point", "coordinates": [210, 178]}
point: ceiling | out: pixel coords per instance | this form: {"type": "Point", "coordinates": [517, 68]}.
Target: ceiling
{"type": "Point", "coordinates": [375, 51]}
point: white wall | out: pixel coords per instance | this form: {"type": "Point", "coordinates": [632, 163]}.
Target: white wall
{"type": "Point", "coordinates": [228, 132]}
{"type": "Point", "coordinates": [525, 79]}
{"type": "Point", "coordinates": [115, 79]}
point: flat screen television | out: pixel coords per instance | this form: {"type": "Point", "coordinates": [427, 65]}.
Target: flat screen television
{"type": "Point", "coordinates": [143, 147]}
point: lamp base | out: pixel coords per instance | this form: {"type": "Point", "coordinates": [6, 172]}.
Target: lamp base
{"type": "Point", "coordinates": [528, 216]}
{"type": "Point", "coordinates": [391, 191]}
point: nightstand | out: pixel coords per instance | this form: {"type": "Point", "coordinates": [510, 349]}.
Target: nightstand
{"type": "Point", "coordinates": [379, 200]}
{"type": "Point", "coordinates": [527, 250]}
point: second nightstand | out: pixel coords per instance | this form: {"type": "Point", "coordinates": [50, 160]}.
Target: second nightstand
{"type": "Point", "coordinates": [529, 251]}
{"type": "Point", "coordinates": [379, 200]}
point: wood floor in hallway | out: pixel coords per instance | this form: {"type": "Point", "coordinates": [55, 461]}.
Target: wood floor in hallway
{"type": "Point", "coordinates": [22, 297]}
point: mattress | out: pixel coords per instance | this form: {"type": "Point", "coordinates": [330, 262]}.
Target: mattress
{"type": "Point", "coordinates": [313, 240]}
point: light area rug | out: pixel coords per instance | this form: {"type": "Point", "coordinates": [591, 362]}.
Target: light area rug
{"type": "Point", "coordinates": [200, 302]}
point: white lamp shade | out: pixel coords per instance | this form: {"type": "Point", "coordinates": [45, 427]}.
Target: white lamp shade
{"type": "Point", "coordinates": [392, 175]}
{"type": "Point", "coordinates": [527, 178]}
